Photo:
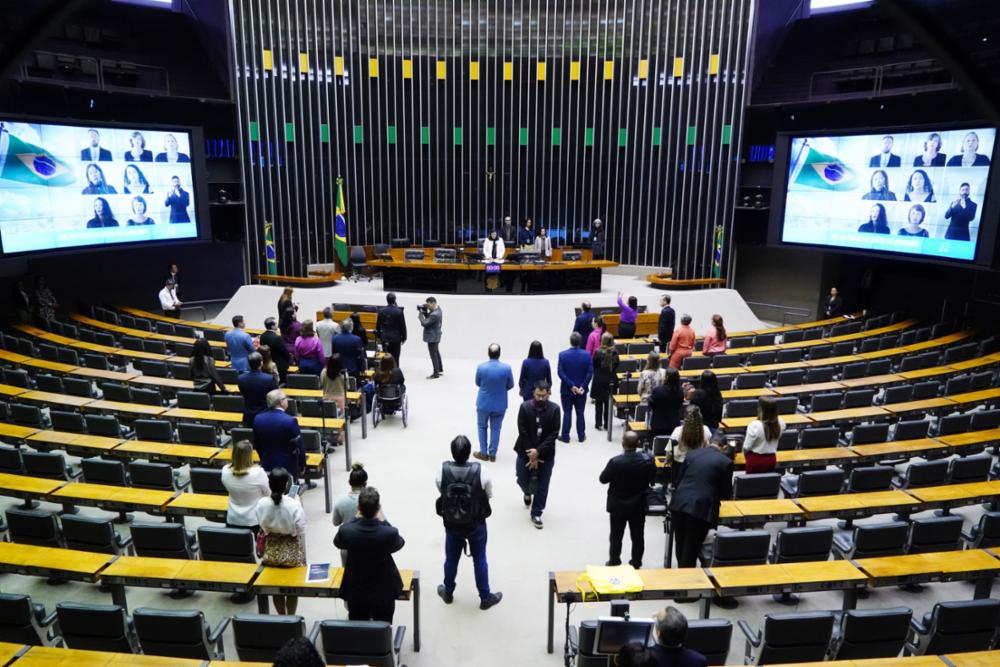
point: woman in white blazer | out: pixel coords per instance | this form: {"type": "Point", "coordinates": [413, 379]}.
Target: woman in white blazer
{"type": "Point", "coordinates": [491, 242]}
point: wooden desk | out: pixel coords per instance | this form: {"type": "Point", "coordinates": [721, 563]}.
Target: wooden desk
{"type": "Point", "coordinates": [740, 423]}
{"type": "Point", "coordinates": [15, 432]}
{"type": "Point", "coordinates": [951, 495]}
{"type": "Point", "coordinates": [854, 505]}
{"type": "Point", "coordinates": [24, 487]}
{"type": "Point", "coordinates": [790, 578]}
{"type": "Point", "coordinates": [978, 565]}
{"type": "Point", "coordinates": [922, 405]}
{"type": "Point", "coordinates": [984, 396]}
{"type": "Point", "coordinates": [98, 374]}
{"type": "Point", "coordinates": [117, 498]}
{"type": "Point", "coordinates": [128, 409]}
{"type": "Point", "coordinates": [199, 575]}
{"type": "Point", "coordinates": [51, 562]}
{"type": "Point", "coordinates": [814, 388]}
{"type": "Point", "coordinates": [985, 437]}
{"type": "Point", "coordinates": [818, 457]}
{"type": "Point", "coordinates": [11, 390]}
{"type": "Point", "coordinates": [877, 380]}
{"type": "Point", "coordinates": [55, 399]}
{"type": "Point", "coordinates": [50, 366]}
{"type": "Point", "coordinates": [76, 444]}
{"type": "Point", "coordinates": [198, 504]}
{"type": "Point", "coordinates": [168, 452]}
{"type": "Point", "coordinates": [10, 651]}
{"type": "Point", "coordinates": [209, 416]}
{"type": "Point", "coordinates": [880, 451]}
{"type": "Point", "coordinates": [763, 511]}
{"type": "Point", "coordinates": [48, 656]}
{"type": "Point", "coordinates": [849, 414]}
{"type": "Point", "coordinates": [924, 373]}
{"type": "Point", "coordinates": [974, 659]}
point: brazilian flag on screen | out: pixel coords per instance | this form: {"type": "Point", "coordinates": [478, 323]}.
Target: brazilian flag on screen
{"type": "Point", "coordinates": [824, 172]}
{"type": "Point", "coordinates": [340, 225]}
{"type": "Point", "coordinates": [31, 164]}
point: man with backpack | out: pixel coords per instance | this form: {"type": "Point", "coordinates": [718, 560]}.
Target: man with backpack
{"type": "Point", "coordinates": [464, 504]}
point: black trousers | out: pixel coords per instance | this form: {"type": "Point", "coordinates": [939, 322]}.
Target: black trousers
{"type": "Point", "coordinates": [394, 349]}
{"type": "Point", "coordinates": [626, 330]}
{"type": "Point", "coordinates": [689, 535]}
{"type": "Point", "coordinates": [367, 609]}
{"type": "Point", "coordinates": [176, 314]}
{"type": "Point", "coordinates": [435, 357]}
{"type": "Point", "coordinates": [636, 522]}
{"type": "Point", "coordinates": [663, 345]}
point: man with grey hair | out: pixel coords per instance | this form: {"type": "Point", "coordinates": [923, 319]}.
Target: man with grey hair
{"type": "Point", "coordinates": [254, 387]}
{"type": "Point", "coordinates": [494, 379]}
{"type": "Point", "coordinates": [669, 651]}
{"type": "Point", "coordinates": [326, 329]}
{"type": "Point", "coordinates": [351, 350]}
{"type": "Point", "coordinates": [277, 437]}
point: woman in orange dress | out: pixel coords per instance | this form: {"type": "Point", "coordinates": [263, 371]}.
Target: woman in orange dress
{"type": "Point", "coordinates": [682, 344]}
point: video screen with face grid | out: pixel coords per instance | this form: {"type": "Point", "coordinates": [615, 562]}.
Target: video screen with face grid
{"type": "Point", "coordinates": [65, 186]}
{"type": "Point", "coordinates": [916, 193]}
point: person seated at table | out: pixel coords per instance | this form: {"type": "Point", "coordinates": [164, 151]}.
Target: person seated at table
{"type": "Point", "coordinates": [665, 404]}
{"type": "Point", "coordinates": [203, 372]}
{"type": "Point", "coordinates": [283, 521]}
{"type": "Point", "coordinates": [761, 440]}
{"type": "Point", "coordinates": [668, 651]}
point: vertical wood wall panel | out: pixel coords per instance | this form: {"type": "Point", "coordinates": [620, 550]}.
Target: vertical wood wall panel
{"type": "Point", "coordinates": [661, 196]}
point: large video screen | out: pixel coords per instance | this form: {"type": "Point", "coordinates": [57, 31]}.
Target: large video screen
{"type": "Point", "coordinates": [65, 186]}
{"type": "Point", "coordinates": [916, 193]}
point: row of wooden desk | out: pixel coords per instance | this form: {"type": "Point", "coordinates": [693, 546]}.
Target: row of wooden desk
{"type": "Point", "coordinates": [977, 565]}
{"type": "Point", "coordinates": [118, 572]}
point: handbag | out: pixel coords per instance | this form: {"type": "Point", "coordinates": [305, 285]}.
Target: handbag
{"type": "Point", "coordinates": [283, 551]}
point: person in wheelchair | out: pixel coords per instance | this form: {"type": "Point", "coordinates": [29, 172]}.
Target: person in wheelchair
{"type": "Point", "coordinates": [390, 385]}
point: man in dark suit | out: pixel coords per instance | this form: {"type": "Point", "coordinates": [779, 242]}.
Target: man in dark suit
{"type": "Point", "coordinates": [704, 481]}
{"type": "Point", "coordinates": [665, 325]}
{"type": "Point", "coordinates": [350, 348]}
{"type": "Point", "coordinates": [537, 427]}
{"type": "Point", "coordinates": [371, 580]}
{"type": "Point", "coordinates": [279, 353]}
{"type": "Point", "coordinates": [669, 651]}
{"type": "Point", "coordinates": [628, 475]}
{"type": "Point", "coordinates": [277, 437]}
{"type": "Point", "coordinates": [575, 369]}
{"type": "Point", "coordinates": [584, 323]}
{"type": "Point", "coordinates": [254, 387]}
{"type": "Point", "coordinates": [390, 327]}
{"type": "Point", "coordinates": [961, 213]}
{"type": "Point", "coordinates": [885, 158]}
{"type": "Point", "coordinates": [94, 152]}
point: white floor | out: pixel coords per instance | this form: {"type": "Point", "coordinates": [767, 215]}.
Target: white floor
{"type": "Point", "coordinates": [402, 464]}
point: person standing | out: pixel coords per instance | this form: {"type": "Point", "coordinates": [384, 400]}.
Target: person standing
{"type": "Point", "coordinates": [707, 398]}
{"type": "Point", "coordinates": [597, 333]}
{"type": "Point", "coordinates": [961, 213]}
{"type": "Point", "coordinates": [494, 379]}
{"type": "Point", "coordinates": [431, 318]}
{"type": "Point", "coordinates": [326, 329]}
{"type": "Point", "coordinates": [239, 344]}
{"type": "Point", "coordinates": [537, 427]}
{"type": "Point", "coordinates": [254, 387]}
{"type": "Point", "coordinates": [45, 302]}
{"type": "Point", "coordinates": [534, 368]}
{"type": "Point", "coordinates": [309, 350]}
{"type": "Point", "coordinates": [204, 375]}
{"type": "Point", "coordinates": [351, 350]}
{"type": "Point", "coordinates": [526, 237]}
{"type": "Point", "coordinates": [665, 324]}
{"type": "Point", "coordinates": [703, 482]}
{"type": "Point", "coordinates": [575, 369]}
{"type": "Point", "coordinates": [390, 327]}
{"type": "Point", "coordinates": [650, 378]}
{"type": "Point", "coordinates": [371, 581]}
{"type": "Point", "coordinates": [283, 521]}
{"type": "Point", "coordinates": [597, 239]}
{"type": "Point", "coordinates": [289, 327]}
{"type": "Point", "coordinates": [345, 507]}
{"type": "Point", "coordinates": [584, 323]}
{"type": "Point", "coordinates": [178, 201]}
{"type": "Point", "coordinates": [543, 244]}
{"type": "Point", "coordinates": [508, 232]}
{"type": "Point", "coordinates": [682, 344]}
{"type": "Point", "coordinates": [246, 483]}
{"type": "Point", "coordinates": [834, 304]}
{"type": "Point", "coordinates": [760, 443]}
{"type": "Point", "coordinates": [629, 313]}
{"type": "Point", "coordinates": [493, 247]}
{"type": "Point", "coordinates": [331, 381]}
{"type": "Point", "coordinates": [285, 301]}
{"type": "Point", "coordinates": [715, 341]}
{"type": "Point", "coordinates": [606, 362]}
{"type": "Point", "coordinates": [464, 504]}
{"type": "Point", "coordinates": [665, 404]}
{"type": "Point", "coordinates": [277, 437]}
{"type": "Point", "coordinates": [628, 475]}
{"type": "Point", "coordinates": [169, 302]}
{"type": "Point", "coordinates": [279, 354]}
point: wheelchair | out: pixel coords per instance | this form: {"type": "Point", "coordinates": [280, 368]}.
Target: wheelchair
{"type": "Point", "coordinates": [389, 400]}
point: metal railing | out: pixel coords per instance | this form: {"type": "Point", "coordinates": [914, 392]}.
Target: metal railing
{"type": "Point", "coordinates": [786, 312]}
{"type": "Point", "coordinates": [877, 80]}
{"type": "Point", "coordinates": [200, 306]}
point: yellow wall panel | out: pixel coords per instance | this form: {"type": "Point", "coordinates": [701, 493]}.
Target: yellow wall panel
{"type": "Point", "coordinates": [373, 67]}
{"type": "Point", "coordinates": [442, 69]}
{"type": "Point", "coordinates": [267, 59]}
{"type": "Point", "coordinates": [609, 70]}
{"type": "Point", "coordinates": [474, 70]}
{"type": "Point", "coordinates": [304, 62]}
{"type": "Point", "coordinates": [508, 71]}
{"type": "Point", "coordinates": [338, 65]}
{"type": "Point", "coordinates": [713, 63]}
{"type": "Point", "coordinates": [541, 71]}
{"type": "Point", "coordinates": [407, 69]}
{"type": "Point", "coordinates": [643, 69]}
{"type": "Point", "coordinates": [574, 70]}
{"type": "Point", "coordinates": [678, 67]}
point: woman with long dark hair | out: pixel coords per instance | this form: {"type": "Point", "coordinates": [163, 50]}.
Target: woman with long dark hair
{"type": "Point", "coordinates": [665, 404]}
{"type": "Point", "coordinates": [309, 350]}
{"type": "Point", "coordinates": [290, 329]}
{"type": "Point", "coordinates": [879, 187]}
{"type": "Point", "coordinates": [203, 373]}
{"type": "Point", "coordinates": [600, 327]}
{"type": "Point", "coordinates": [606, 361]}
{"type": "Point", "coordinates": [331, 379]}
{"type": "Point", "coordinates": [708, 398]}
{"type": "Point", "coordinates": [388, 372]}
{"type": "Point", "coordinates": [763, 433]}
{"type": "Point", "coordinates": [534, 368]}
{"type": "Point", "coordinates": [878, 222]}
{"type": "Point", "coordinates": [629, 312]}
{"type": "Point", "coordinates": [283, 521]}
{"type": "Point", "coordinates": [715, 340]}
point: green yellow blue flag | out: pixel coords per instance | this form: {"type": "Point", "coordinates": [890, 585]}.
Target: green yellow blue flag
{"type": "Point", "coordinates": [717, 259]}
{"type": "Point", "coordinates": [340, 225]}
{"type": "Point", "coordinates": [269, 252]}
{"type": "Point", "coordinates": [31, 164]}
{"type": "Point", "coordinates": [825, 172]}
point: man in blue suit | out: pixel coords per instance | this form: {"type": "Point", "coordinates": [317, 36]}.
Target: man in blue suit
{"type": "Point", "coordinates": [277, 437]}
{"type": "Point", "coordinates": [240, 345]}
{"type": "Point", "coordinates": [94, 152]}
{"type": "Point", "coordinates": [575, 370]}
{"type": "Point", "coordinates": [494, 379]}
{"type": "Point", "coordinates": [254, 387]}
{"type": "Point", "coordinates": [584, 321]}
{"type": "Point", "coordinates": [350, 348]}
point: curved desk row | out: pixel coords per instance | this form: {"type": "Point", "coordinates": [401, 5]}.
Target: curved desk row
{"type": "Point", "coordinates": [482, 278]}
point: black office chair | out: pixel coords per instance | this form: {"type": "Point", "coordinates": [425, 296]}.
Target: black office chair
{"type": "Point", "coordinates": [793, 637]}
{"type": "Point", "coordinates": [916, 429]}
{"type": "Point", "coordinates": [88, 533]}
{"type": "Point", "coordinates": [928, 389]}
{"type": "Point", "coordinates": [741, 407]}
{"type": "Point", "coordinates": [852, 371]}
{"type": "Point", "coordinates": [843, 348]}
{"type": "Point", "coordinates": [923, 473]}
{"type": "Point", "coordinates": [104, 425]}
{"type": "Point", "coordinates": [953, 424]}
{"type": "Point", "coordinates": [359, 263]}
{"type": "Point", "coordinates": [791, 356]}
{"type": "Point", "coordinates": [870, 478]}
{"type": "Point", "coordinates": [864, 634]}
{"type": "Point", "coordinates": [790, 378]}
{"type": "Point", "coordinates": [813, 483]}
{"type": "Point", "coordinates": [985, 419]}
{"type": "Point", "coordinates": [71, 422]}
{"type": "Point", "coordinates": [789, 439]}
{"type": "Point", "coordinates": [696, 363]}
{"type": "Point", "coordinates": [750, 380]}
{"type": "Point", "coordinates": [16, 377]}
{"type": "Point", "coordinates": [26, 623]}
{"type": "Point", "coordinates": [955, 385]}
{"type": "Point", "coordinates": [97, 470]}
{"type": "Point", "coordinates": [761, 358]}
{"type": "Point", "coordinates": [859, 398]}
{"type": "Point", "coordinates": [794, 336]}
{"type": "Point", "coordinates": [964, 469]}
{"type": "Point", "coordinates": [756, 487]}
{"type": "Point", "coordinates": [152, 368]}
{"type": "Point", "coordinates": [980, 381]}
{"type": "Point", "coordinates": [728, 361]}
{"type": "Point", "coordinates": [986, 533]}
{"type": "Point", "coordinates": [207, 480]}
{"type": "Point", "coordinates": [813, 438]}
{"type": "Point", "coordinates": [179, 634]}
{"type": "Point", "coordinates": [34, 527]}
{"type": "Point", "coordinates": [149, 475]}
{"type": "Point", "coordinates": [11, 462]}
{"type": "Point", "coordinates": [197, 434]}
{"type": "Point", "coordinates": [113, 391]}
{"type": "Point", "coordinates": [358, 642]}
{"type": "Point", "coordinates": [163, 540]}
{"type": "Point", "coordinates": [955, 627]}
{"type": "Point", "coordinates": [899, 394]}
{"type": "Point", "coordinates": [259, 636]}
{"type": "Point", "coordinates": [302, 381]}
{"type": "Point", "coordinates": [866, 434]}
{"type": "Point", "coordinates": [816, 375]}
{"type": "Point", "coordinates": [50, 383]}
{"type": "Point", "coordinates": [872, 540]}
{"type": "Point", "coordinates": [154, 430]}
{"type": "Point", "coordinates": [232, 545]}
{"type": "Point", "coordinates": [744, 547]}
{"type": "Point", "coordinates": [227, 403]}
{"type": "Point", "coordinates": [194, 400]}
{"type": "Point", "coordinates": [26, 415]}
{"type": "Point", "coordinates": [50, 465]}
{"type": "Point", "coordinates": [869, 345]}
{"type": "Point", "coordinates": [711, 637]}
{"type": "Point", "coordinates": [800, 545]}
{"type": "Point", "coordinates": [826, 402]}
{"type": "Point", "coordinates": [934, 533]}
{"type": "Point", "coordinates": [96, 627]}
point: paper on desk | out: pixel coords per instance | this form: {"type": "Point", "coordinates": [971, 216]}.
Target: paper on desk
{"type": "Point", "coordinates": [316, 572]}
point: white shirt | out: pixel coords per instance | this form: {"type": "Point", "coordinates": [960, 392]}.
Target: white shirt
{"type": "Point", "coordinates": [244, 492]}
{"type": "Point", "coordinates": [95, 153]}
{"type": "Point", "coordinates": [326, 330]}
{"type": "Point", "coordinates": [543, 245]}
{"type": "Point", "coordinates": [884, 162]}
{"type": "Point", "coordinates": [755, 441]}
{"type": "Point", "coordinates": [168, 299]}
{"type": "Point", "coordinates": [488, 248]}
{"type": "Point", "coordinates": [285, 518]}
{"type": "Point", "coordinates": [484, 479]}
{"type": "Point", "coordinates": [680, 453]}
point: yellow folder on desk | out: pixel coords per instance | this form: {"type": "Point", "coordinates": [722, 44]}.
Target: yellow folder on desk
{"type": "Point", "coordinates": [614, 580]}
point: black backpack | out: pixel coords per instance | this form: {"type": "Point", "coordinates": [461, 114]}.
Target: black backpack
{"type": "Point", "coordinates": [463, 502]}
